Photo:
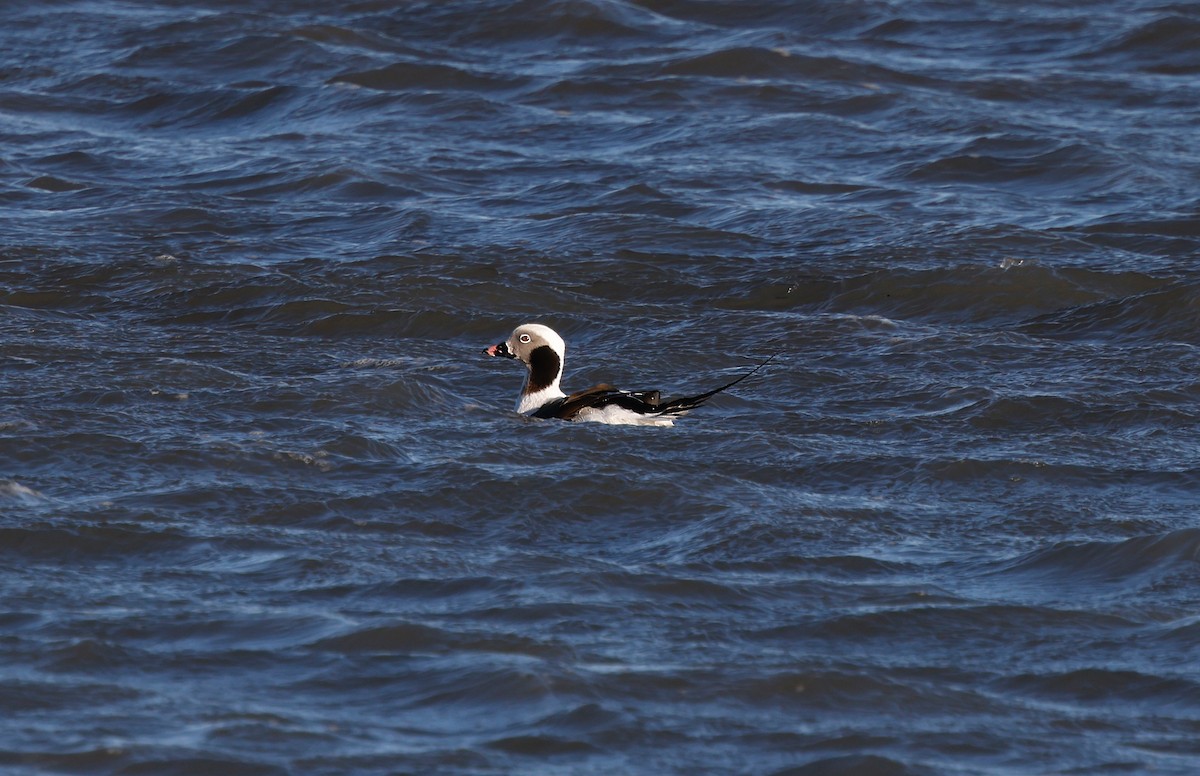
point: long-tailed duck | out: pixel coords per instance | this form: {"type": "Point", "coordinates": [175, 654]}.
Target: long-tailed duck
{"type": "Point", "coordinates": [542, 351]}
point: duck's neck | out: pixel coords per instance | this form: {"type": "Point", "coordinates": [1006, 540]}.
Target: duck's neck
{"type": "Point", "coordinates": [541, 384]}
{"type": "Point", "coordinates": [529, 401]}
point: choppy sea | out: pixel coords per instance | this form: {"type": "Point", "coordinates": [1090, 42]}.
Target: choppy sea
{"type": "Point", "coordinates": [266, 509]}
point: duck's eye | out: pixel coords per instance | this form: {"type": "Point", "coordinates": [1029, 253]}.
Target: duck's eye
{"type": "Point", "coordinates": [525, 338]}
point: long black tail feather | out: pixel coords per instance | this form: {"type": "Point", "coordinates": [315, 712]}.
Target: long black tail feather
{"type": "Point", "coordinates": [680, 406]}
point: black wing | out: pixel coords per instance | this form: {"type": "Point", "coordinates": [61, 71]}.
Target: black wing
{"type": "Point", "coordinates": [642, 402]}
{"type": "Point", "coordinates": [604, 395]}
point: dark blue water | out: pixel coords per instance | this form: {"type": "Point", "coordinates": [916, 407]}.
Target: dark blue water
{"type": "Point", "coordinates": [265, 509]}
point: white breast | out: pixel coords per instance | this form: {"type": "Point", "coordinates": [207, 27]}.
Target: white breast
{"type": "Point", "coordinates": [529, 402]}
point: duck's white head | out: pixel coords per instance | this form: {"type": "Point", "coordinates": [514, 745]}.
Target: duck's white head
{"type": "Point", "coordinates": [542, 352]}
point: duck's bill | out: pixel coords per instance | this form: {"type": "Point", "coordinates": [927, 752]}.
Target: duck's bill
{"type": "Point", "coordinates": [500, 349]}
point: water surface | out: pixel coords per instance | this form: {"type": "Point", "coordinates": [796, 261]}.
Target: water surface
{"type": "Point", "coordinates": [264, 508]}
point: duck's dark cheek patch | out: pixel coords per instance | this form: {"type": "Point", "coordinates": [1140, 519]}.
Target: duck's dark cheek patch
{"type": "Point", "coordinates": [544, 366]}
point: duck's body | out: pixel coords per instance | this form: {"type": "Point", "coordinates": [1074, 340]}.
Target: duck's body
{"type": "Point", "coordinates": [543, 352]}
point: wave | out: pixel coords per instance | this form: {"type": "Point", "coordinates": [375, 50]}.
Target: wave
{"type": "Point", "coordinates": [851, 765]}
{"type": "Point", "coordinates": [417, 76]}
{"type": "Point", "coordinates": [980, 162]}
{"type": "Point", "coordinates": [1170, 237]}
{"type": "Point", "coordinates": [1129, 564]}
{"type": "Point", "coordinates": [410, 638]}
{"type": "Point", "coordinates": [1027, 299]}
{"type": "Point", "coordinates": [1165, 45]}
{"type": "Point", "coordinates": [571, 22]}
{"type": "Point", "coordinates": [13, 491]}
{"type": "Point", "coordinates": [1006, 293]}
{"type": "Point", "coordinates": [1105, 685]}
{"type": "Point", "coordinates": [1165, 314]}
{"type": "Point", "coordinates": [782, 64]}
{"type": "Point", "coordinates": [83, 540]}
